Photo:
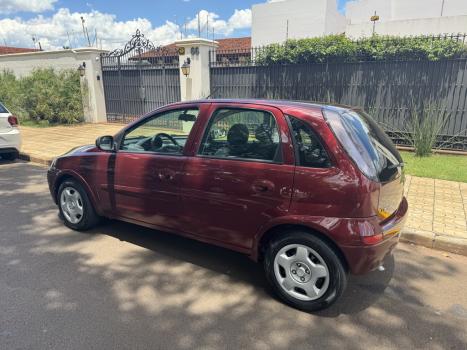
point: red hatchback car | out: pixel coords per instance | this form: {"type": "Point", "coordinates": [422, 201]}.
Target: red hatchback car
{"type": "Point", "coordinates": [313, 191]}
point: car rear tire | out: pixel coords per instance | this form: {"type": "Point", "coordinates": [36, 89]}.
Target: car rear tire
{"type": "Point", "coordinates": [9, 156]}
{"type": "Point", "coordinates": [75, 207]}
{"type": "Point", "coordinates": [304, 271]}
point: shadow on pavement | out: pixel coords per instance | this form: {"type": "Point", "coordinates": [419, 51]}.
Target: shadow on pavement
{"type": "Point", "coordinates": [124, 286]}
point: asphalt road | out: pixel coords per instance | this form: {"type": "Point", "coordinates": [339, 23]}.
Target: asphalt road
{"type": "Point", "coordinates": [122, 286]}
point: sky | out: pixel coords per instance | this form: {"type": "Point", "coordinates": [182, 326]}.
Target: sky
{"type": "Point", "coordinates": [57, 23]}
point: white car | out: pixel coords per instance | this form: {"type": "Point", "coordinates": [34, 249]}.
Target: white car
{"type": "Point", "coordinates": [10, 137]}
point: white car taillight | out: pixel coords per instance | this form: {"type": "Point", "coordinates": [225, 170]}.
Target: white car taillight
{"type": "Point", "coordinates": [13, 121]}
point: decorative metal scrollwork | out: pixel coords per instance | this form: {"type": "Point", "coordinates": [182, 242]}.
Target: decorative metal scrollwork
{"type": "Point", "coordinates": [138, 43]}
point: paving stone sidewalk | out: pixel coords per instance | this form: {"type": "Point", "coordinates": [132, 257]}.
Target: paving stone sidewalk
{"type": "Point", "coordinates": [437, 208]}
{"type": "Point", "coordinates": [41, 145]}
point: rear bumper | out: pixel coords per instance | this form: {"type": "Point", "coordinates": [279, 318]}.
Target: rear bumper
{"type": "Point", "coordinates": [10, 141]}
{"type": "Point", "coordinates": [365, 258]}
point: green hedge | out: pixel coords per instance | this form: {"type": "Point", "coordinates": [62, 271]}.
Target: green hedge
{"type": "Point", "coordinates": [45, 96]}
{"type": "Point", "coordinates": [338, 48]}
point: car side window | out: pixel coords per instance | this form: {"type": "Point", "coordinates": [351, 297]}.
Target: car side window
{"type": "Point", "coordinates": [163, 133]}
{"type": "Point", "coordinates": [308, 148]}
{"type": "Point", "coordinates": [242, 134]}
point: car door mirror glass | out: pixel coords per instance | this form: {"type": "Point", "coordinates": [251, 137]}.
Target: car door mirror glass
{"type": "Point", "coordinates": [105, 143]}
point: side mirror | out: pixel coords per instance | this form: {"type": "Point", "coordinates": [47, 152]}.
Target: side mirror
{"type": "Point", "coordinates": [105, 143]}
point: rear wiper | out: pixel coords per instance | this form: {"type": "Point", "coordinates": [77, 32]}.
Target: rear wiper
{"type": "Point", "coordinates": [398, 165]}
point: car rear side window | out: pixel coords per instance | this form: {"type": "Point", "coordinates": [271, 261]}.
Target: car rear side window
{"type": "Point", "coordinates": [242, 134]}
{"type": "Point", "coordinates": [366, 143]}
{"type": "Point", "coordinates": [308, 149]}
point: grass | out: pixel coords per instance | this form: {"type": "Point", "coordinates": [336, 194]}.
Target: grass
{"type": "Point", "coordinates": [42, 123]}
{"type": "Point", "coordinates": [436, 166]}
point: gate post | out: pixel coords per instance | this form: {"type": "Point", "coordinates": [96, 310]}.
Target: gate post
{"type": "Point", "coordinates": [197, 84]}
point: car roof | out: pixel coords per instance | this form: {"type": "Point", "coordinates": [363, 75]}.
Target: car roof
{"type": "Point", "coordinates": [281, 104]}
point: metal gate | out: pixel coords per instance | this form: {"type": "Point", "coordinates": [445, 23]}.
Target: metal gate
{"type": "Point", "coordinates": [139, 78]}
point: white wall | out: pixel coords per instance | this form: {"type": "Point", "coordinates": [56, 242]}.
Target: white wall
{"type": "Point", "coordinates": [197, 85]}
{"type": "Point", "coordinates": [358, 11]}
{"type": "Point", "coordinates": [413, 27]}
{"type": "Point", "coordinates": [361, 10]}
{"type": "Point", "coordinates": [22, 64]}
{"type": "Point", "coordinates": [307, 18]}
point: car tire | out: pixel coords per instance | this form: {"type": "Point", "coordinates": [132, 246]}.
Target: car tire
{"type": "Point", "coordinates": [76, 209]}
{"type": "Point", "coordinates": [304, 271]}
{"type": "Point", "coordinates": [9, 156]}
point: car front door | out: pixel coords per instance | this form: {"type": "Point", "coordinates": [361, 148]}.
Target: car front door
{"type": "Point", "coordinates": [146, 171]}
{"type": "Point", "coordinates": [241, 175]}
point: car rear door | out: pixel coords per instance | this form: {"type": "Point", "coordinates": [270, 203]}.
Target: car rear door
{"type": "Point", "coordinates": [240, 175]}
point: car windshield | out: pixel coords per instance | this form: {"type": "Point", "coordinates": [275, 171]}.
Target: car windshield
{"type": "Point", "coordinates": [366, 143]}
{"type": "Point", "coordinates": [3, 109]}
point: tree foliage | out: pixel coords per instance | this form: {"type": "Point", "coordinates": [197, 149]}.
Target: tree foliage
{"type": "Point", "coordinates": [338, 48]}
{"type": "Point", "coordinates": [44, 95]}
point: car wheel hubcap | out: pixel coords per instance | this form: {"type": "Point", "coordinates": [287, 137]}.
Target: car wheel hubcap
{"type": "Point", "coordinates": [301, 272]}
{"type": "Point", "coordinates": [71, 204]}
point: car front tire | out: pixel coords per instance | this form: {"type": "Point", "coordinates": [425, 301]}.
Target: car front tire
{"type": "Point", "coordinates": [75, 207]}
{"type": "Point", "coordinates": [304, 271]}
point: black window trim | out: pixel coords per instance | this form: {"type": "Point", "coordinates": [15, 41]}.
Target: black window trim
{"type": "Point", "coordinates": [152, 116]}
{"type": "Point", "coordinates": [295, 146]}
{"type": "Point", "coordinates": [208, 127]}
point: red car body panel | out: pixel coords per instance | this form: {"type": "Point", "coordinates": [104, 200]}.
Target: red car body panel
{"type": "Point", "coordinates": [234, 203]}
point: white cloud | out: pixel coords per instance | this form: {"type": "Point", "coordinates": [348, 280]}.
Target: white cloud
{"type": "Point", "coordinates": [239, 20]}
{"type": "Point", "coordinates": [53, 31]}
{"type": "Point", "coordinates": [12, 6]}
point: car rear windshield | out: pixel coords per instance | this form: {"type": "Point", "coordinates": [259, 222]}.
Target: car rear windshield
{"type": "Point", "coordinates": [366, 143]}
{"type": "Point", "coordinates": [3, 109]}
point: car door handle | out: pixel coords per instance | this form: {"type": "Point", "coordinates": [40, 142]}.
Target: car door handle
{"type": "Point", "coordinates": [165, 176]}
{"type": "Point", "coordinates": [262, 186]}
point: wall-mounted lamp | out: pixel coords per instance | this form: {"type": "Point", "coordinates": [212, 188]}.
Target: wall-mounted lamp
{"type": "Point", "coordinates": [82, 69]}
{"type": "Point", "coordinates": [186, 67]}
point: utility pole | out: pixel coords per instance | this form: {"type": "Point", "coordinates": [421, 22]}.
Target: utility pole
{"type": "Point", "coordinates": [207, 25]}
{"type": "Point", "coordinates": [287, 31]}
{"type": "Point", "coordinates": [374, 19]}
{"type": "Point", "coordinates": [199, 26]}
{"type": "Point", "coordinates": [442, 8]}
{"type": "Point", "coordinates": [85, 31]}
{"type": "Point", "coordinates": [69, 41]}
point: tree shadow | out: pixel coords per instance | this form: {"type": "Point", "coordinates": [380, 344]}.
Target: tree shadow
{"type": "Point", "coordinates": [124, 286]}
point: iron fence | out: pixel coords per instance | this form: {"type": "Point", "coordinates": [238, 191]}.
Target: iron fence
{"type": "Point", "coordinates": [391, 90]}
{"type": "Point", "coordinates": [138, 79]}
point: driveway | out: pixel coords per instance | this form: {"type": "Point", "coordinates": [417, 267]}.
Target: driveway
{"type": "Point", "coordinates": [123, 286]}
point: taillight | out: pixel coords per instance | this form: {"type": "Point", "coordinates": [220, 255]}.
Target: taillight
{"type": "Point", "coordinates": [13, 121]}
{"type": "Point", "coordinates": [370, 240]}
{"type": "Point", "coordinates": [368, 235]}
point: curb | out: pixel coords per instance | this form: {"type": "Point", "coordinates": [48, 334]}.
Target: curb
{"type": "Point", "coordinates": [33, 159]}
{"type": "Point", "coordinates": [435, 241]}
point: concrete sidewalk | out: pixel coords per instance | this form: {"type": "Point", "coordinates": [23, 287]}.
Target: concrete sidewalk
{"type": "Point", "coordinates": [437, 208]}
